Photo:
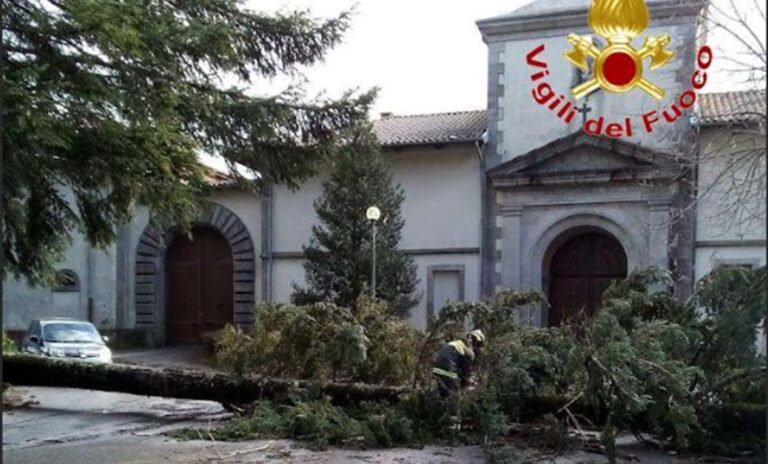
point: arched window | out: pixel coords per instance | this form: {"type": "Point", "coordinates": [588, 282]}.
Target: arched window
{"type": "Point", "coordinates": [67, 281]}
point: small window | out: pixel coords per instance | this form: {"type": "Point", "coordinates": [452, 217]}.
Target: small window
{"type": "Point", "coordinates": [444, 283]}
{"type": "Point", "coordinates": [67, 281]}
{"type": "Point", "coordinates": [747, 265]}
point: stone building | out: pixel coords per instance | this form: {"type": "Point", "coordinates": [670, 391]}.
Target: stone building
{"type": "Point", "coordinates": [504, 197]}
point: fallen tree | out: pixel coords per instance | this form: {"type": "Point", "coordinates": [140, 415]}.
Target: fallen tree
{"type": "Point", "coordinates": [228, 389]}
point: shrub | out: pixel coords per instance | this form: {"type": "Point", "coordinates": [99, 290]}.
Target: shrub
{"type": "Point", "coordinates": [322, 341]}
{"type": "Point", "coordinates": [392, 344]}
{"type": "Point", "coordinates": [322, 424]}
{"type": "Point", "coordinates": [645, 362]}
{"type": "Point", "coordinates": [663, 366]}
{"type": "Point", "coordinates": [9, 346]}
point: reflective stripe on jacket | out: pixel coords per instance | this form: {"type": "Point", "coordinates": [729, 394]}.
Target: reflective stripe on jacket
{"type": "Point", "coordinates": [454, 361]}
{"type": "Point", "coordinates": [444, 373]}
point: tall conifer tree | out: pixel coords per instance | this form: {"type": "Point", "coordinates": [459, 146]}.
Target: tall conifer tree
{"type": "Point", "coordinates": [339, 253]}
{"type": "Point", "coordinates": [107, 105]}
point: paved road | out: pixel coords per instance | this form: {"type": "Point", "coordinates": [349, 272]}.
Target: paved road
{"type": "Point", "coordinates": [67, 426]}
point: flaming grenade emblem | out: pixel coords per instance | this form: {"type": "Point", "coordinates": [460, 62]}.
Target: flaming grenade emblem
{"type": "Point", "coordinates": [619, 66]}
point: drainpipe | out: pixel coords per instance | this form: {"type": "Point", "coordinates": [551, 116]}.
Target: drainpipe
{"type": "Point", "coordinates": [483, 181]}
{"type": "Point", "coordinates": [90, 266]}
{"type": "Point", "coordinates": [270, 227]}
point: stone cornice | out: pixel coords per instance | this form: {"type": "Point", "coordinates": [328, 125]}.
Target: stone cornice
{"type": "Point", "coordinates": [409, 251]}
{"type": "Point", "coordinates": [650, 174]}
{"type": "Point", "coordinates": [575, 20]}
{"type": "Point", "coordinates": [730, 243]}
{"type": "Point", "coordinates": [639, 156]}
{"type": "Point", "coordinates": [510, 210]}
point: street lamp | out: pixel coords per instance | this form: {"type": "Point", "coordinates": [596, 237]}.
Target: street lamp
{"type": "Point", "coordinates": [373, 214]}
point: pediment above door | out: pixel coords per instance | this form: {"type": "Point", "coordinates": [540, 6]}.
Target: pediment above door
{"type": "Point", "coordinates": [582, 158]}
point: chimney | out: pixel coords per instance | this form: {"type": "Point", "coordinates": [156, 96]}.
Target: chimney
{"type": "Point", "coordinates": [386, 114]}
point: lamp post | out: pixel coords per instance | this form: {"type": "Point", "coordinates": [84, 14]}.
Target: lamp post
{"type": "Point", "coordinates": [373, 214]}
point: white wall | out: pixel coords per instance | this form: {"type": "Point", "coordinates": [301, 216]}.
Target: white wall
{"type": "Point", "coordinates": [294, 214]}
{"type": "Point", "coordinates": [471, 265]}
{"type": "Point", "coordinates": [285, 272]}
{"type": "Point", "coordinates": [730, 217]}
{"type": "Point", "coordinates": [443, 197]}
{"type": "Point", "coordinates": [95, 270]}
{"type": "Point", "coordinates": [527, 125]}
{"type": "Point", "coordinates": [248, 207]}
{"type": "Point", "coordinates": [442, 212]}
{"type": "Point", "coordinates": [729, 207]}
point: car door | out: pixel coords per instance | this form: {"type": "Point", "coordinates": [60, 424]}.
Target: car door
{"type": "Point", "coordinates": [33, 339]}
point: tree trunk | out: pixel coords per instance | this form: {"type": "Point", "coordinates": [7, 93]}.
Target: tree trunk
{"type": "Point", "coordinates": [20, 369]}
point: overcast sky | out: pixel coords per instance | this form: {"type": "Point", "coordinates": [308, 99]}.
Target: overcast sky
{"type": "Point", "coordinates": [425, 55]}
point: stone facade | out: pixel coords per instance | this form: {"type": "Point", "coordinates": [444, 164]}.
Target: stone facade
{"type": "Point", "coordinates": [483, 213]}
{"type": "Point", "coordinates": [575, 184]}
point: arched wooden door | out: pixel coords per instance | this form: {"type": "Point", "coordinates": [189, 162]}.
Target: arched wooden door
{"type": "Point", "coordinates": [580, 271]}
{"type": "Point", "coordinates": [199, 286]}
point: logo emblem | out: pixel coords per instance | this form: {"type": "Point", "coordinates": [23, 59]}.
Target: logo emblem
{"type": "Point", "coordinates": [618, 67]}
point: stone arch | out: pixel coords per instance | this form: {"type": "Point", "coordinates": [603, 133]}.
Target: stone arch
{"type": "Point", "coordinates": [580, 260]}
{"type": "Point", "coordinates": [562, 229]}
{"type": "Point", "coordinates": [149, 283]}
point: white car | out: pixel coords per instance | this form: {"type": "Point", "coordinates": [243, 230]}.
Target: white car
{"type": "Point", "coordinates": [67, 339]}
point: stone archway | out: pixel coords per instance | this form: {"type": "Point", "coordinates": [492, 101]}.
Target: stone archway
{"type": "Point", "coordinates": [580, 265]}
{"type": "Point", "coordinates": [150, 286]}
{"type": "Point", "coordinates": [549, 236]}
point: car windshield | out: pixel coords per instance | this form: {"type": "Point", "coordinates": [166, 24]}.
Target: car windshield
{"type": "Point", "coordinates": [70, 333]}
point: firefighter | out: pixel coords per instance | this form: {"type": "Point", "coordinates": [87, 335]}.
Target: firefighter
{"type": "Point", "coordinates": [453, 364]}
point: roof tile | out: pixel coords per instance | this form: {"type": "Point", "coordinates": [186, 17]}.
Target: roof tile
{"type": "Point", "coordinates": [732, 107]}
{"type": "Point", "coordinates": [427, 129]}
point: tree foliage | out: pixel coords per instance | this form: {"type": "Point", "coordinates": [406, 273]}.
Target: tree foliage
{"type": "Point", "coordinates": [322, 341]}
{"type": "Point", "coordinates": [645, 362]}
{"type": "Point", "coordinates": [108, 103]}
{"type": "Point", "coordinates": [338, 257]}
{"type": "Point", "coordinates": [9, 346]}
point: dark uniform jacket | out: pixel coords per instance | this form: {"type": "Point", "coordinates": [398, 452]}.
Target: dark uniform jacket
{"type": "Point", "coordinates": [454, 360]}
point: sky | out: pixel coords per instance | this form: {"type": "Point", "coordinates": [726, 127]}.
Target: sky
{"type": "Point", "coordinates": [424, 55]}
{"type": "Point", "coordinates": [427, 56]}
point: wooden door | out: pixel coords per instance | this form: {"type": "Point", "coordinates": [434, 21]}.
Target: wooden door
{"type": "Point", "coordinates": [199, 284]}
{"type": "Point", "coordinates": [581, 269]}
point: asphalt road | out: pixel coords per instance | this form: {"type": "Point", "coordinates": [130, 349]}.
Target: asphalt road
{"type": "Point", "coordinates": [68, 426]}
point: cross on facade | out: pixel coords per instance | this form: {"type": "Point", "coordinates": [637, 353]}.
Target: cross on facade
{"type": "Point", "coordinates": [584, 110]}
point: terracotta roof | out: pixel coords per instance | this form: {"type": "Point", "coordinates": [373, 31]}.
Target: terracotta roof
{"type": "Point", "coordinates": [732, 107]}
{"type": "Point", "coordinates": [428, 129]}
{"type": "Point", "coordinates": [218, 179]}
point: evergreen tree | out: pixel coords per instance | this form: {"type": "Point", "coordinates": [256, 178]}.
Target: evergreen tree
{"type": "Point", "coordinates": [339, 254]}
{"type": "Point", "coordinates": [107, 104]}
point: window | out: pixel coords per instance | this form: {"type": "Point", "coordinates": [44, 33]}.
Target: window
{"type": "Point", "coordinates": [738, 263]}
{"type": "Point", "coordinates": [34, 329]}
{"type": "Point", "coordinates": [67, 281]}
{"type": "Point", "coordinates": [70, 332]}
{"type": "Point", "coordinates": [444, 284]}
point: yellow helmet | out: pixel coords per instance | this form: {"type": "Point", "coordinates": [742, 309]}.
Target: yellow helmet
{"type": "Point", "coordinates": [477, 335]}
